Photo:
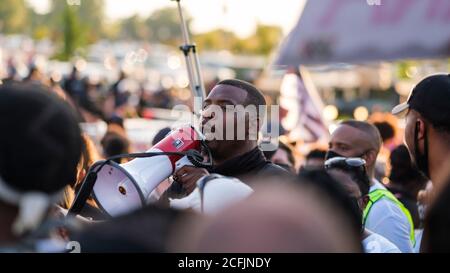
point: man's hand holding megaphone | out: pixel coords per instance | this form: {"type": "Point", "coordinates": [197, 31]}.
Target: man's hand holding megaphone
{"type": "Point", "coordinates": [188, 176]}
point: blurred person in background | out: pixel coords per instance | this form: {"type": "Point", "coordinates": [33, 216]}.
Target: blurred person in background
{"type": "Point", "coordinates": [89, 101]}
{"type": "Point", "coordinates": [405, 181]}
{"type": "Point", "coordinates": [350, 173]}
{"type": "Point", "coordinates": [75, 85]}
{"type": "Point", "coordinates": [144, 230]}
{"type": "Point", "coordinates": [89, 155]}
{"type": "Point", "coordinates": [282, 156]}
{"type": "Point", "coordinates": [387, 133]}
{"type": "Point", "coordinates": [160, 135]}
{"type": "Point", "coordinates": [35, 76]}
{"type": "Point", "coordinates": [427, 132]}
{"type": "Point", "coordinates": [387, 216]}
{"type": "Point", "coordinates": [115, 142]}
{"type": "Point", "coordinates": [40, 148]}
{"type": "Point", "coordinates": [276, 218]}
{"type": "Point", "coordinates": [314, 159]}
{"type": "Point", "coordinates": [116, 120]}
{"type": "Point", "coordinates": [11, 75]}
{"type": "Point", "coordinates": [118, 92]}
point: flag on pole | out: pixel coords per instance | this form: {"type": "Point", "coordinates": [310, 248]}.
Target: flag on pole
{"type": "Point", "coordinates": [304, 109]}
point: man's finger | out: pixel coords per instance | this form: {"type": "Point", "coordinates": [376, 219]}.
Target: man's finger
{"type": "Point", "coordinates": [188, 182]}
{"type": "Point", "coordinates": [183, 170]}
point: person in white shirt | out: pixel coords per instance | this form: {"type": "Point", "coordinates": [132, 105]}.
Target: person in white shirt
{"type": "Point", "coordinates": [387, 218]}
{"type": "Point", "coordinates": [358, 189]}
{"type": "Point", "coordinates": [361, 139]}
{"type": "Point", "coordinates": [426, 115]}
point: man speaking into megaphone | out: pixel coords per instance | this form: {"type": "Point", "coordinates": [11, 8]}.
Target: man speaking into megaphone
{"type": "Point", "coordinates": [231, 119]}
{"type": "Point", "coordinates": [231, 136]}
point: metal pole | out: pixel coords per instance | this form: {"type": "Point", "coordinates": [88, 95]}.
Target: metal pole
{"type": "Point", "coordinates": [192, 60]}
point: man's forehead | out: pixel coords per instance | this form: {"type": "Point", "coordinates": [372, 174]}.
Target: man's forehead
{"type": "Point", "coordinates": [348, 134]}
{"type": "Point", "coordinates": [227, 92]}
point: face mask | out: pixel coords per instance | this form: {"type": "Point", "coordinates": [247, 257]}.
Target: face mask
{"type": "Point", "coordinates": [332, 154]}
{"type": "Point", "coordinates": [421, 160]}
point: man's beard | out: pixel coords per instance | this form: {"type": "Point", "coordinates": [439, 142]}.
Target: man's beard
{"type": "Point", "coordinates": [420, 161]}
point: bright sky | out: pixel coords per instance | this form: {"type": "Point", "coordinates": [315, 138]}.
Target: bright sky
{"type": "Point", "coordinates": [239, 16]}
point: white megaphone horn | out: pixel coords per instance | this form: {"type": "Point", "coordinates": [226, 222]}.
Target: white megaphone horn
{"type": "Point", "coordinates": [120, 188]}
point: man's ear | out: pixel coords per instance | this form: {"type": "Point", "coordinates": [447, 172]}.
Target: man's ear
{"type": "Point", "coordinates": [370, 157]}
{"type": "Point", "coordinates": [420, 125]}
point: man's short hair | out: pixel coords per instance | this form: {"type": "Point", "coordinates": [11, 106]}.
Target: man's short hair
{"type": "Point", "coordinates": [375, 137]}
{"type": "Point", "coordinates": [254, 96]}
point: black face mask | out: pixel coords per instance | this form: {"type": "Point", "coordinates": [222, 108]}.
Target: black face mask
{"type": "Point", "coordinates": [421, 160]}
{"type": "Point", "coordinates": [332, 154]}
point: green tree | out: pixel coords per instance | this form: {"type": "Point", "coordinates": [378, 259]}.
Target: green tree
{"type": "Point", "coordinates": [73, 34]}
{"type": "Point", "coordinates": [264, 40]}
{"type": "Point", "coordinates": [217, 39]}
{"type": "Point", "coordinates": [164, 25]}
{"type": "Point", "coordinates": [134, 28]}
{"type": "Point", "coordinates": [13, 16]}
{"type": "Point", "coordinates": [90, 14]}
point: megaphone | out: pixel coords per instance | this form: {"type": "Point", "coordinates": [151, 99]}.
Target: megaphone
{"type": "Point", "coordinates": [120, 188]}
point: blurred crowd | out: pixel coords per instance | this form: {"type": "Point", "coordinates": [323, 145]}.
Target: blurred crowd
{"type": "Point", "coordinates": [364, 192]}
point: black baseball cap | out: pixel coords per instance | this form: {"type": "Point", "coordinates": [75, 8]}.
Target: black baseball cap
{"type": "Point", "coordinates": [431, 98]}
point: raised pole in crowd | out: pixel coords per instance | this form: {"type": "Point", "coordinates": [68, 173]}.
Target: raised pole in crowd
{"type": "Point", "coordinates": [192, 61]}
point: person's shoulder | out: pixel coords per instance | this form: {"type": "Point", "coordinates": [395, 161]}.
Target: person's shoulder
{"type": "Point", "coordinates": [386, 212]}
{"type": "Point", "coordinates": [377, 185]}
{"type": "Point", "coordinates": [273, 170]}
{"type": "Point", "coordinates": [387, 208]}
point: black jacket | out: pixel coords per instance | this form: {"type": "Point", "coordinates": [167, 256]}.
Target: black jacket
{"type": "Point", "coordinates": [250, 167]}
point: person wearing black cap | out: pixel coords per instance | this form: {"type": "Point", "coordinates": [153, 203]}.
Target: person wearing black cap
{"type": "Point", "coordinates": [40, 146]}
{"type": "Point", "coordinates": [427, 130]}
{"type": "Point", "coordinates": [427, 136]}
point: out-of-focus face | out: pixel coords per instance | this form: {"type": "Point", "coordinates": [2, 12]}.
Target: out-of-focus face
{"type": "Point", "coordinates": [348, 142]}
{"type": "Point", "coordinates": [281, 157]}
